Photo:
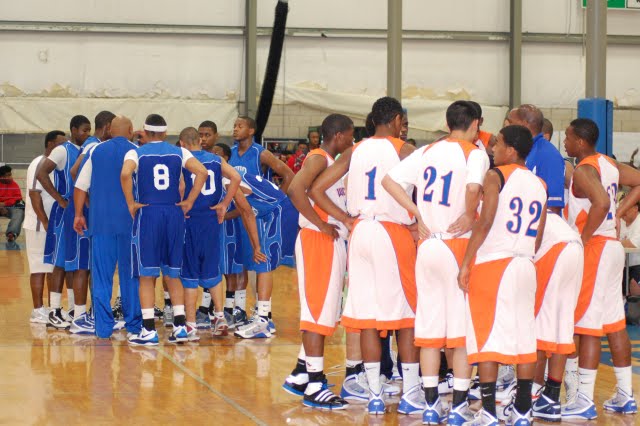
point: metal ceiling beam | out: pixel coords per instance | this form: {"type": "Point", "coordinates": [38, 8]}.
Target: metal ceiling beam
{"type": "Point", "coordinates": [251, 61]}
{"type": "Point", "coordinates": [394, 49]}
{"type": "Point", "coordinates": [596, 69]}
{"type": "Point", "coordinates": [515, 54]}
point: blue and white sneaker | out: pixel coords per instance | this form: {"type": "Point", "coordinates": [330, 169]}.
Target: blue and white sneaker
{"type": "Point", "coordinates": [621, 402]}
{"type": "Point", "coordinates": [239, 317]}
{"type": "Point", "coordinates": [376, 403]}
{"type": "Point", "coordinates": [81, 325]}
{"type": "Point", "coordinates": [272, 326]}
{"type": "Point", "coordinates": [144, 338]}
{"type": "Point", "coordinates": [482, 418]}
{"type": "Point", "coordinates": [506, 377]}
{"type": "Point", "coordinates": [324, 399]}
{"type": "Point", "coordinates": [517, 419]}
{"type": "Point", "coordinates": [179, 334]}
{"type": "Point", "coordinates": [412, 401]}
{"type": "Point", "coordinates": [445, 387]}
{"type": "Point", "coordinates": [202, 320]}
{"type": "Point", "coordinates": [460, 414]}
{"type": "Point", "coordinates": [296, 384]}
{"type": "Point", "coordinates": [230, 319]}
{"type": "Point", "coordinates": [581, 408]}
{"type": "Point", "coordinates": [258, 328]}
{"type": "Point", "coordinates": [434, 414]}
{"type": "Point", "coordinates": [118, 325]}
{"type": "Point", "coordinates": [547, 409]}
{"type": "Point", "coordinates": [474, 389]}
{"type": "Point", "coordinates": [355, 388]}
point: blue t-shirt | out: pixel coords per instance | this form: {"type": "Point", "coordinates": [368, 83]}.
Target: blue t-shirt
{"type": "Point", "coordinates": [545, 161]}
{"type": "Point", "coordinates": [265, 196]}
{"type": "Point", "coordinates": [158, 174]}
{"type": "Point", "coordinates": [211, 192]}
{"type": "Point", "coordinates": [108, 214]}
{"type": "Point", "coordinates": [249, 162]}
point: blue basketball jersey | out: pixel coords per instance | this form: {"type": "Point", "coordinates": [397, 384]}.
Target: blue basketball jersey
{"type": "Point", "coordinates": [265, 195]}
{"type": "Point", "coordinates": [88, 143]}
{"type": "Point", "coordinates": [158, 174]}
{"type": "Point", "coordinates": [212, 191]}
{"type": "Point", "coordinates": [64, 184]}
{"type": "Point", "coordinates": [249, 162]}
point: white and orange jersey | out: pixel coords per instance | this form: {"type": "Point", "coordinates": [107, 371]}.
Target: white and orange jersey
{"type": "Point", "coordinates": [336, 193]}
{"type": "Point", "coordinates": [370, 162]}
{"type": "Point", "coordinates": [441, 172]}
{"type": "Point", "coordinates": [515, 226]}
{"type": "Point", "coordinates": [483, 140]}
{"type": "Point", "coordinates": [556, 231]}
{"type": "Point", "coordinates": [578, 208]}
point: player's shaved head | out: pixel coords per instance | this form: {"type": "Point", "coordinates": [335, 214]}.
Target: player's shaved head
{"type": "Point", "coordinates": [529, 116]}
{"type": "Point", "coordinates": [190, 137]}
{"type": "Point", "coordinates": [121, 126]}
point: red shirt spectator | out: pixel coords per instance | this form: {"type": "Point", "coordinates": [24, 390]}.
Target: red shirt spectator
{"type": "Point", "coordinates": [9, 189]}
{"type": "Point", "coordinates": [296, 160]}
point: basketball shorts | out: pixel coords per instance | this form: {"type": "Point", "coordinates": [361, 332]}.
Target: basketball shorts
{"type": "Point", "coordinates": [382, 284]}
{"type": "Point", "coordinates": [600, 308]}
{"type": "Point", "coordinates": [321, 263]}
{"type": "Point", "coordinates": [289, 223]}
{"type": "Point", "coordinates": [230, 251]}
{"type": "Point", "coordinates": [54, 243]}
{"type": "Point", "coordinates": [559, 276]}
{"type": "Point", "coordinates": [35, 252]}
{"type": "Point", "coordinates": [500, 312]}
{"type": "Point", "coordinates": [440, 314]}
{"type": "Point", "coordinates": [201, 260]}
{"type": "Point", "coordinates": [77, 248]}
{"type": "Point", "coordinates": [270, 237]}
{"type": "Point", "coordinates": [157, 241]}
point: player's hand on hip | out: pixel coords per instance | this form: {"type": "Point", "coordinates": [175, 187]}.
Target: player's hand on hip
{"type": "Point", "coordinates": [350, 222]}
{"type": "Point", "coordinates": [259, 257]}
{"type": "Point", "coordinates": [461, 226]}
{"type": "Point", "coordinates": [133, 209]}
{"type": "Point", "coordinates": [185, 205]}
{"type": "Point", "coordinates": [63, 203]}
{"type": "Point", "coordinates": [221, 210]}
{"type": "Point", "coordinates": [423, 230]}
{"type": "Point", "coordinates": [330, 229]}
{"type": "Point", "coordinates": [463, 278]}
{"type": "Point", "coordinates": [80, 224]}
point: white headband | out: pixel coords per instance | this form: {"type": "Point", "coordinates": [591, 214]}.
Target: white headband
{"type": "Point", "coordinates": [157, 129]}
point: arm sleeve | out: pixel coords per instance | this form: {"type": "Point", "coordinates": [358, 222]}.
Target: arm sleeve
{"type": "Point", "coordinates": [133, 156]}
{"type": "Point", "coordinates": [84, 178]}
{"type": "Point", "coordinates": [59, 156]}
{"type": "Point", "coordinates": [186, 154]}
{"type": "Point", "coordinates": [406, 172]}
{"type": "Point", "coordinates": [477, 166]}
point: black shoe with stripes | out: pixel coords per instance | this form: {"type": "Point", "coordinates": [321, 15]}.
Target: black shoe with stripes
{"type": "Point", "coordinates": [324, 399]}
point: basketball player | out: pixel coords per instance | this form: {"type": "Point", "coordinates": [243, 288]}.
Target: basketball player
{"type": "Point", "coordinates": [109, 227]}
{"type": "Point", "coordinates": [201, 263]}
{"type": "Point", "coordinates": [559, 263]}
{"type": "Point", "coordinates": [37, 209]}
{"type": "Point", "coordinates": [208, 132]}
{"type": "Point", "coordinates": [486, 140]}
{"type": "Point", "coordinates": [321, 254]}
{"type": "Point", "coordinates": [501, 284]}
{"type": "Point", "coordinates": [382, 252]}
{"type": "Point", "coordinates": [600, 310]}
{"type": "Point", "coordinates": [158, 226]}
{"type": "Point", "coordinates": [101, 132]}
{"type": "Point", "coordinates": [61, 159]}
{"type": "Point", "coordinates": [448, 176]}
{"type": "Point", "coordinates": [404, 132]}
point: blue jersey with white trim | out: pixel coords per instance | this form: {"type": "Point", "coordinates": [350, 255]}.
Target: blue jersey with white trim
{"type": "Point", "coordinates": [158, 174]}
{"type": "Point", "coordinates": [211, 192]}
{"type": "Point", "coordinates": [249, 162]}
{"type": "Point", "coordinates": [265, 195]}
{"type": "Point", "coordinates": [64, 184]}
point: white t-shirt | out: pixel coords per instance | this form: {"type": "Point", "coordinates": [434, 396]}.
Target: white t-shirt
{"type": "Point", "coordinates": [632, 233]}
{"type": "Point", "coordinates": [31, 221]}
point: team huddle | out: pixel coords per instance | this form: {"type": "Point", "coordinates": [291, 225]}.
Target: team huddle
{"type": "Point", "coordinates": [467, 245]}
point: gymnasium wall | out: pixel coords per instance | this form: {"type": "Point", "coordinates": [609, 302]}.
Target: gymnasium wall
{"type": "Point", "coordinates": [48, 76]}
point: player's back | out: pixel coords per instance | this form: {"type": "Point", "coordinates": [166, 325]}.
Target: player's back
{"type": "Point", "coordinates": [249, 161]}
{"type": "Point", "coordinates": [158, 174]}
{"type": "Point", "coordinates": [265, 195]}
{"type": "Point", "coordinates": [556, 231]}
{"type": "Point", "coordinates": [517, 217]}
{"type": "Point", "coordinates": [211, 192]}
{"type": "Point", "coordinates": [64, 183]}
{"type": "Point", "coordinates": [371, 160]}
{"type": "Point", "coordinates": [443, 183]}
{"type": "Point", "coordinates": [579, 207]}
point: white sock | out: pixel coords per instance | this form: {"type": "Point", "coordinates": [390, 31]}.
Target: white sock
{"type": "Point", "coordinates": [623, 377]}
{"type": "Point", "coordinates": [55, 299]}
{"type": "Point", "coordinates": [315, 364]}
{"type": "Point", "coordinates": [535, 388]}
{"type": "Point", "coordinates": [301, 354]}
{"type": "Point", "coordinates": [148, 313]}
{"type": "Point", "coordinates": [410, 376]}
{"type": "Point", "coordinates": [430, 381]}
{"type": "Point", "coordinates": [167, 296]}
{"type": "Point", "coordinates": [240, 298]}
{"type": "Point", "coordinates": [353, 363]}
{"type": "Point", "coordinates": [264, 307]}
{"type": "Point", "coordinates": [206, 299]}
{"type": "Point", "coordinates": [461, 384]}
{"type": "Point", "coordinates": [571, 366]}
{"type": "Point", "coordinates": [178, 310]}
{"type": "Point", "coordinates": [218, 315]}
{"type": "Point", "coordinates": [587, 382]}
{"type": "Point", "coordinates": [372, 369]}
{"type": "Point", "coordinates": [71, 298]}
{"type": "Point", "coordinates": [228, 302]}
{"type": "Point", "coordinates": [79, 310]}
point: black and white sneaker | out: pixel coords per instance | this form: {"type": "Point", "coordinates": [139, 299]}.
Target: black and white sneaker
{"type": "Point", "coordinates": [323, 399]}
{"type": "Point", "coordinates": [57, 321]}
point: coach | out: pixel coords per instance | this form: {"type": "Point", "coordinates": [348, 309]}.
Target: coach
{"type": "Point", "coordinates": [109, 228]}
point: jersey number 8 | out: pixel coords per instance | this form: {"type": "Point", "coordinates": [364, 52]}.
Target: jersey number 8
{"type": "Point", "coordinates": [161, 177]}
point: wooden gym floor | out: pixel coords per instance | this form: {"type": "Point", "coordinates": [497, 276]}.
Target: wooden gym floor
{"type": "Point", "coordinates": [50, 377]}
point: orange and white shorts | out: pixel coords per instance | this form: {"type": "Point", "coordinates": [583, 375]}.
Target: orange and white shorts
{"type": "Point", "coordinates": [382, 285]}
{"type": "Point", "coordinates": [600, 308]}
{"type": "Point", "coordinates": [321, 262]}
{"type": "Point", "coordinates": [559, 276]}
{"type": "Point", "coordinates": [500, 317]}
{"type": "Point", "coordinates": [440, 315]}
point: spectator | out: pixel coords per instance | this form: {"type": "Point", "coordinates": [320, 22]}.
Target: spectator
{"type": "Point", "coordinates": [11, 203]}
{"type": "Point", "coordinates": [547, 129]}
{"type": "Point", "coordinates": [314, 139]}
{"type": "Point", "coordinates": [630, 237]}
{"type": "Point", "coordinates": [411, 141]}
{"type": "Point", "coordinates": [295, 161]}
{"type": "Point", "coordinates": [404, 131]}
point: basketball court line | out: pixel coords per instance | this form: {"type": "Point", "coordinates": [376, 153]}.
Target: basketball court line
{"type": "Point", "coordinates": [222, 396]}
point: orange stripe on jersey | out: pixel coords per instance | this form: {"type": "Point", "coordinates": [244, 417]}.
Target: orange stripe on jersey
{"type": "Point", "coordinates": [544, 269]}
{"type": "Point", "coordinates": [592, 161]}
{"type": "Point", "coordinates": [555, 348]}
{"type": "Point", "coordinates": [502, 359]}
{"type": "Point", "coordinates": [485, 137]}
{"type": "Point", "coordinates": [406, 252]}
{"type": "Point", "coordinates": [581, 220]}
{"type": "Point", "coordinates": [397, 144]}
{"type": "Point", "coordinates": [509, 169]}
{"type": "Point", "coordinates": [615, 327]}
{"type": "Point", "coordinates": [317, 252]}
{"type": "Point", "coordinates": [458, 247]}
{"type": "Point", "coordinates": [484, 283]}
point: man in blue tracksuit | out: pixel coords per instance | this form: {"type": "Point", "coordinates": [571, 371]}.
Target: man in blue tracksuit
{"type": "Point", "coordinates": [110, 228]}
